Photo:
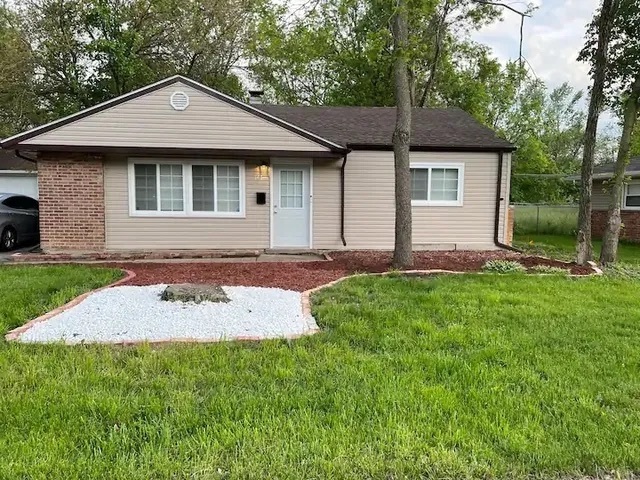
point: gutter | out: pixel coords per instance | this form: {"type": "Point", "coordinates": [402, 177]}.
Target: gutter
{"type": "Point", "coordinates": [19, 173]}
{"type": "Point", "coordinates": [499, 199]}
{"type": "Point", "coordinates": [342, 171]}
{"type": "Point", "coordinates": [432, 148]}
{"type": "Point", "coordinates": [23, 157]}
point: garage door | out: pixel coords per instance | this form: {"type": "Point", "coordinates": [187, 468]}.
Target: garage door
{"type": "Point", "coordinates": [22, 184]}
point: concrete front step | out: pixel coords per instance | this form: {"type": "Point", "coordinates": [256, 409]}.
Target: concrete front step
{"type": "Point", "coordinates": [222, 256]}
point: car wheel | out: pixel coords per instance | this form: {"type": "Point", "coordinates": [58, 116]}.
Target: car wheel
{"type": "Point", "coordinates": [8, 239]}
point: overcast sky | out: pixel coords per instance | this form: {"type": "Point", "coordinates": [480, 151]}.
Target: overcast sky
{"type": "Point", "coordinates": [552, 39]}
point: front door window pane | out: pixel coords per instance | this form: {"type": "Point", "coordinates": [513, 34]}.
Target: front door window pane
{"type": "Point", "coordinates": [291, 189]}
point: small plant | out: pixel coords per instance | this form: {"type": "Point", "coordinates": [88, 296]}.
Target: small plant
{"type": "Point", "coordinates": [503, 266]}
{"type": "Point", "coordinates": [546, 269]}
{"type": "Point", "coordinates": [625, 271]}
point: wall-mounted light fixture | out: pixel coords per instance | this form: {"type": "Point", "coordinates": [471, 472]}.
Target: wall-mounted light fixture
{"type": "Point", "coordinates": [263, 170]}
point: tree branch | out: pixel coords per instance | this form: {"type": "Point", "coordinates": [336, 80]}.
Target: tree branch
{"type": "Point", "coordinates": [498, 4]}
{"type": "Point", "coordinates": [522, 15]}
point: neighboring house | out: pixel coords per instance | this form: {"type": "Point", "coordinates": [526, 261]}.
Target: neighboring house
{"type": "Point", "coordinates": [177, 165]}
{"type": "Point", "coordinates": [17, 175]}
{"type": "Point", "coordinates": [630, 200]}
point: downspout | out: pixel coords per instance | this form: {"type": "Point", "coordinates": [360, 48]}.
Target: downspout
{"type": "Point", "coordinates": [342, 169]}
{"type": "Point", "coordinates": [499, 199]}
{"type": "Point", "coordinates": [20, 155]}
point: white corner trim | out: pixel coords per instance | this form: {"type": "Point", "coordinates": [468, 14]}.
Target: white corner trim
{"type": "Point", "coordinates": [506, 182]}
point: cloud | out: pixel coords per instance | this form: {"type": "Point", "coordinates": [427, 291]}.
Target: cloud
{"type": "Point", "coordinates": [552, 40]}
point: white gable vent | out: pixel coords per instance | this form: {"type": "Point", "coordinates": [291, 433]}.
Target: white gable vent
{"type": "Point", "coordinates": [179, 101]}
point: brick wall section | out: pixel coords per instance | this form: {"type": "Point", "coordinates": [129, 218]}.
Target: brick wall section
{"type": "Point", "coordinates": [630, 224]}
{"type": "Point", "coordinates": [71, 189]}
{"type": "Point", "coordinates": [511, 216]}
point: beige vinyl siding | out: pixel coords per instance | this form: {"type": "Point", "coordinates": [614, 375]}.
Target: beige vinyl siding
{"type": "Point", "coordinates": [150, 121]}
{"type": "Point", "coordinates": [156, 233]}
{"type": "Point", "coordinates": [326, 204]}
{"type": "Point", "coordinates": [370, 210]}
{"type": "Point", "coordinates": [599, 197]}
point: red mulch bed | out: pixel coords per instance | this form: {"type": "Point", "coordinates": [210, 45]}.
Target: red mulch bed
{"type": "Point", "coordinates": [302, 276]}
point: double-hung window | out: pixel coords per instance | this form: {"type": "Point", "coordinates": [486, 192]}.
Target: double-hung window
{"type": "Point", "coordinates": [436, 184]}
{"type": "Point", "coordinates": [196, 188]}
{"type": "Point", "coordinates": [632, 196]}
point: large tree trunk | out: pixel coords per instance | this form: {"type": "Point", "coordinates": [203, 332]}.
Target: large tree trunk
{"type": "Point", "coordinates": [402, 255]}
{"type": "Point", "coordinates": [612, 230]}
{"type": "Point", "coordinates": [584, 248]}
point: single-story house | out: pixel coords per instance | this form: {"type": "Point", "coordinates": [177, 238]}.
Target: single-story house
{"type": "Point", "coordinates": [178, 165]}
{"type": "Point", "coordinates": [17, 175]}
{"type": "Point", "coordinates": [630, 200]}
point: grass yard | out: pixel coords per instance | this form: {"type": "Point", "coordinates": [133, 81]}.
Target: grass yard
{"type": "Point", "coordinates": [467, 376]}
{"type": "Point", "coordinates": [29, 291]}
{"type": "Point", "coordinates": [564, 247]}
{"type": "Point", "coordinates": [546, 219]}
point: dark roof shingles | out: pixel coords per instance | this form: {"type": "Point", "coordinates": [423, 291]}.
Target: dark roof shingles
{"type": "Point", "coordinates": [431, 127]}
{"type": "Point", "coordinates": [9, 161]}
{"type": "Point", "coordinates": [633, 167]}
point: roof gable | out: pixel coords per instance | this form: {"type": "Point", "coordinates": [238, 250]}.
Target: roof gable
{"type": "Point", "coordinates": [146, 119]}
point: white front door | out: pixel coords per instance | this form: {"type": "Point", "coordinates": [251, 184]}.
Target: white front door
{"type": "Point", "coordinates": [291, 204]}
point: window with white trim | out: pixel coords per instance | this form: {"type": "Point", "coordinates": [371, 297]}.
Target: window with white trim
{"type": "Point", "coordinates": [436, 184]}
{"type": "Point", "coordinates": [195, 188]}
{"type": "Point", "coordinates": [632, 196]}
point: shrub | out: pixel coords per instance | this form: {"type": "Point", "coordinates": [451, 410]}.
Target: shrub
{"type": "Point", "coordinates": [503, 266]}
{"type": "Point", "coordinates": [550, 270]}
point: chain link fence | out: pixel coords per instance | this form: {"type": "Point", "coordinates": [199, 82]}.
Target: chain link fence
{"type": "Point", "coordinates": [545, 219]}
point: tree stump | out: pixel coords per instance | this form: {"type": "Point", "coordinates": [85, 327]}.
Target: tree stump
{"type": "Point", "coordinates": [196, 293]}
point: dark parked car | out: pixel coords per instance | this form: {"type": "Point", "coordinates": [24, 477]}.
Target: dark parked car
{"type": "Point", "coordinates": [18, 221]}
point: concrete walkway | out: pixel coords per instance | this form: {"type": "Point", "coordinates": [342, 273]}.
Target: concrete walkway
{"type": "Point", "coordinates": [7, 256]}
{"type": "Point", "coordinates": [261, 258]}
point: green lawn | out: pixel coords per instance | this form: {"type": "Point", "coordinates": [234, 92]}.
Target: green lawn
{"type": "Point", "coordinates": [28, 291]}
{"type": "Point", "coordinates": [465, 376]}
{"type": "Point", "coordinates": [546, 219]}
{"type": "Point", "coordinates": [564, 247]}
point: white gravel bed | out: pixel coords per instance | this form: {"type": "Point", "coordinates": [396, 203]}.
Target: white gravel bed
{"type": "Point", "coordinates": [130, 314]}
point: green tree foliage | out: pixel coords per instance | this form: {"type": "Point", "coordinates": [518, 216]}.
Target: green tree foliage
{"type": "Point", "coordinates": [622, 86]}
{"type": "Point", "coordinates": [77, 53]}
{"type": "Point", "coordinates": [634, 149]}
{"type": "Point", "coordinates": [546, 126]}
{"type": "Point", "coordinates": [17, 99]}
{"type": "Point", "coordinates": [340, 52]}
